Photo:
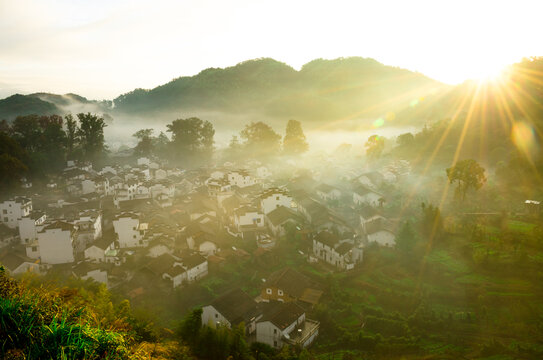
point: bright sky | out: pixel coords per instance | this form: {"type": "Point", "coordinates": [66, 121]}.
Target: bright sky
{"type": "Point", "coordinates": [102, 48]}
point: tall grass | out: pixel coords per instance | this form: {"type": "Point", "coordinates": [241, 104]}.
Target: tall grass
{"type": "Point", "coordinates": [37, 324]}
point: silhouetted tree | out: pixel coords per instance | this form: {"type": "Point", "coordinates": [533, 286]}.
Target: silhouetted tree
{"type": "Point", "coordinates": [374, 146]}
{"type": "Point", "coordinates": [192, 140]}
{"type": "Point", "coordinates": [260, 139]}
{"type": "Point", "coordinates": [468, 174]}
{"type": "Point", "coordinates": [145, 142]}
{"type": "Point", "coordinates": [294, 142]}
{"type": "Point", "coordinates": [91, 135]}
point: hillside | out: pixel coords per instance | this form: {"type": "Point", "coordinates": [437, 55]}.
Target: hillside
{"type": "Point", "coordinates": [322, 90]}
{"type": "Point", "coordinates": [18, 104]}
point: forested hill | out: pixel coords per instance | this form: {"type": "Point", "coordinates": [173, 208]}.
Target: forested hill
{"type": "Point", "coordinates": [18, 104]}
{"type": "Point", "coordinates": [322, 90]}
{"type": "Point", "coordinates": [49, 104]}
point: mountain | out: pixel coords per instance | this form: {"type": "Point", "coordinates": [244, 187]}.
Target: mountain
{"type": "Point", "coordinates": [18, 104]}
{"type": "Point", "coordinates": [339, 92]}
{"type": "Point", "coordinates": [323, 90]}
{"type": "Point", "coordinates": [49, 104]}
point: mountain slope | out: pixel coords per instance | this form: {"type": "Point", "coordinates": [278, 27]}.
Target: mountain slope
{"type": "Point", "coordinates": [337, 92]}
{"type": "Point", "coordinates": [18, 104]}
{"type": "Point", "coordinates": [322, 90]}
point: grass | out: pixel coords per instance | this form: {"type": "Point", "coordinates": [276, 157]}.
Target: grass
{"type": "Point", "coordinates": [38, 325]}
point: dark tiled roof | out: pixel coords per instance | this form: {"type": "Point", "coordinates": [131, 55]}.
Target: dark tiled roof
{"type": "Point", "coordinates": [325, 188]}
{"type": "Point", "coordinates": [344, 248]}
{"type": "Point", "coordinates": [64, 226]}
{"type": "Point", "coordinates": [291, 282]}
{"type": "Point", "coordinates": [282, 214]}
{"type": "Point", "coordinates": [236, 306]}
{"type": "Point", "coordinates": [13, 261]}
{"type": "Point", "coordinates": [281, 314]}
{"type": "Point", "coordinates": [327, 238]}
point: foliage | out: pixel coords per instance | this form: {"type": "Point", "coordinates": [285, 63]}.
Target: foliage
{"type": "Point", "coordinates": [91, 136]}
{"type": "Point", "coordinates": [260, 140]}
{"type": "Point", "coordinates": [468, 174]}
{"type": "Point", "coordinates": [145, 142]}
{"type": "Point", "coordinates": [406, 239]}
{"type": "Point", "coordinates": [43, 324]}
{"type": "Point", "coordinates": [374, 147]}
{"type": "Point", "coordinates": [192, 140]}
{"type": "Point", "coordinates": [294, 142]}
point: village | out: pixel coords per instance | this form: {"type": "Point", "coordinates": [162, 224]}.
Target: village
{"type": "Point", "coordinates": [181, 225]}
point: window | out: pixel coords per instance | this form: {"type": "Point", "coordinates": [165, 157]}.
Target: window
{"type": "Point", "coordinates": [275, 331]}
{"type": "Point", "coordinates": [34, 248]}
{"type": "Point", "coordinates": [5, 211]}
{"type": "Point", "coordinates": [5, 219]}
{"type": "Point", "coordinates": [280, 292]}
{"type": "Point", "coordinates": [275, 343]}
{"type": "Point", "coordinates": [268, 291]}
{"type": "Point", "coordinates": [134, 236]}
{"type": "Point", "coordinates": [216, 316]}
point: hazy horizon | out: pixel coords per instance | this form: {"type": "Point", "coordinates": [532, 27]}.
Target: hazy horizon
{"type": "Point", "coordinates": [101, 50]}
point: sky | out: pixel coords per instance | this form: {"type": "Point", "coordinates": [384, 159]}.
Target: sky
{"type": "Point", "coordinates": [103, 48]}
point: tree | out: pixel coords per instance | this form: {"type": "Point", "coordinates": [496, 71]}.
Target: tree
{"type": "Point", "coordinates": [406, 238]}
{"type": "Point", "coordinates": [260, 139]}
{"type": "Point", "coordinates": [91, 135]}
{"type": "Point", "coordinates": [294, 142]}
{"type": "Point", "coordinates": [374, 146]}
{"type": "Point", "coordinates": [234, 149]}
{"type": "Point", "coordinates": [431, 222]}
{"type": "Point", "coordinates": [192, 139]}
{"type": "Point", "coordinates": [405, 139]}
{"type": "Point", "coordinates": [71, 133]}
{"type": "Point", "coordinates": [26, 131]}
{"type": "Point", "coordinates": [468, 174]}
{"type": "Point", "coordinates": [145, 143]}
{"type": "Point", "coordinates": [53, 146]}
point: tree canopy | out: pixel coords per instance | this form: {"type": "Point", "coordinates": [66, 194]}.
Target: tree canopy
{"type": "Point", "coordinates": [261, 139]}
{"type": "Point", "coordinates": [468, 174]}
{"type": "Point", "coordinates": [192, 140]}
{"type": "Point", "coordinates": [374, 146]}
{"type": "Point", "coordinates": [294, 142]}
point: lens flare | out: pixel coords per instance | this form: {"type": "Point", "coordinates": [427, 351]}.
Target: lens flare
{"type": "Point", "coordinates": [378, 123]}
{"type": "Point", "coordinates": [523, 137]}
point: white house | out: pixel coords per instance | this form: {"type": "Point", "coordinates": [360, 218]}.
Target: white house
{"type": "Point", "coordinates": [285, 323]}
{"type": "Point", "coordinates": [247, 217]}
{"type": "Point", "coordinates": [273, 198]}
{"type": "Point", "coordinates": [195, 265]}
{"type": "Point", "coordinates": [89, 226]}
{"type": "Point", "coordinates": [262, 172]}
{"type": "Point", "coordinates": [230, 310]}
{"type": "Point", "coordinates": [17, 264]}
{"type": "Point", "coordinates": [30, 225]}
{"type": "Point", "coordinates": [380, 231]}
{"type": "Point", "coordinates": [202, 238]}
{"type": "Point", "coordinates": [342, 253]}
{"type": "Point", "coordinates": [57, 243]}
{"type": "Point", "coordinates": [130, 231]}
{"type": "Point", "coordinates": [97, 251]}
{"type": "Point", "coordinates": [278, 218]}
{"type": "Point", "coordinates": [364, 195]}
{"type": "Point", "coordinates": [143, 161]}
{"type": "Point", "coordinates": [240, 178]}
{"type": "Point", "coordinates": [160, 174]}
{"type": "Point", "coordinates": [85, 271]}
{"type": "Point", "coordinates": [13, 210]}
{"type": "Point", "coordinates": [327, 192]}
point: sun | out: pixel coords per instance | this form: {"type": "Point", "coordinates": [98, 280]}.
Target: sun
{"type": "Point", "coordinates": [490, 73]}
